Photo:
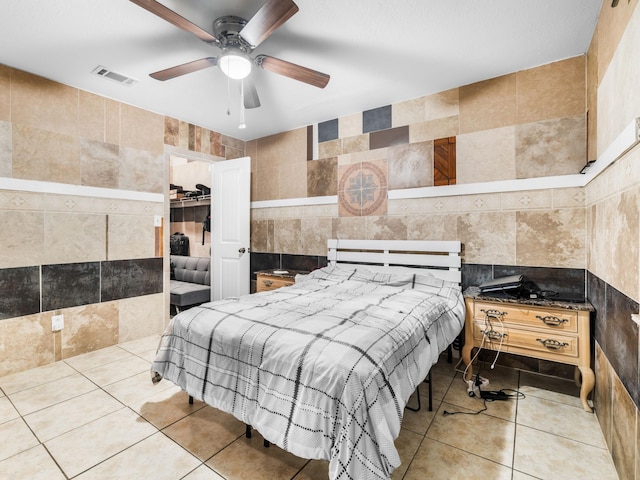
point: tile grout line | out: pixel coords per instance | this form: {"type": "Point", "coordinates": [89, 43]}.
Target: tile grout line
{"type": "Point", "coordinates": [124, 406]}
{"type": "Point", "coordinates": [43, 444]}
{"type": "Point", "coordinates": [515, 428]}
{"type": "Point", "coordinates": [120, 451]}
{"type": "Point", "coordinates": [424, 436]}
{"type": "Point", "coordinates": [54, 461]}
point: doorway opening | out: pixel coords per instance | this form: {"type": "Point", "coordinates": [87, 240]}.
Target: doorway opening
{"type": "Point", "coordinates": [189, 207]}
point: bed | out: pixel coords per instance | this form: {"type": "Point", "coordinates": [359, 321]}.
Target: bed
{"type": "Point", "coordinates": [324, 368]}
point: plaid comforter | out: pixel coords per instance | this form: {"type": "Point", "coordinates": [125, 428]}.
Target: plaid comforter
{"type": "Point", "coordinates": [322, 368]}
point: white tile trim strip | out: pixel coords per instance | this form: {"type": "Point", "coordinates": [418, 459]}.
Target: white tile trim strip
{"type": "Point", "coordinates": [540, 183]}
{"type": "Point", "coordinates": [78, 190]}
{"type": "Point", "coordinates": [628, 138]}
{"type": "Point", "coordinates": [296, 202]}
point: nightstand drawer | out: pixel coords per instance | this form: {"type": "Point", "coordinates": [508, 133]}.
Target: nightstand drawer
{"type": "Point", "coordinates": [516, 339]}
{"type": "Point", "coordinates": [551, 320]}
{"type": "Point", "coordinates": [267, 280]}
{"type": "Point", "coordinates": [265, 283]}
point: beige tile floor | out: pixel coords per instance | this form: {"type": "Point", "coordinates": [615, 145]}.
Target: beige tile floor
{"type": "Point", "coordinates": [97, 416]}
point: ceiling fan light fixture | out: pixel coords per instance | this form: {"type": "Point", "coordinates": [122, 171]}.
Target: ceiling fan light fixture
{"type": "Point", "coordinates": [235, 64]}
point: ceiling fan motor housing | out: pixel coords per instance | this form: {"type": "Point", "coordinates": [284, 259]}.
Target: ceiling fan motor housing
{"type": "Point", "coordinates": [227, 30]}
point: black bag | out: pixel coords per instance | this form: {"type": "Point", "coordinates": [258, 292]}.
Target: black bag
{"type": "Point", "coordinates": [179, 244]}
{"type": "Point", "coordinates": [206, 224]}
{"type": "Point", "coordinates": [203, 188]}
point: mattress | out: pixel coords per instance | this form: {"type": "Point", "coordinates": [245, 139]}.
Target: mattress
{"type": "Point", "coordinates": [322, 368]}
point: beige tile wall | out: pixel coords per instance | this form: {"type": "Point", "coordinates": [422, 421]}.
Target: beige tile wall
{"type": "Point", "coordinates": [27, 342]}
{"type": "Point", "coordinates": [489, 104]}
{"type": "Point", "coordinates": [193, 138]}
{"type": "Point", "coordinates": [613, 211]}
{"type": "Point", "coordinates": [279, 168]}
{"type": "Point", "coordinates": [67, 228]}
{"type": "Point", "coordinates": [523, 125]}
{"type": "Point", "coordinates": [618, 417]}
{"type": "Point", "coordinates": [618, 102]}
{"type": "Point", "coordinates": [541, 228]}
{"type": "Point", "coordinates": [139, 315]}
{"type": "Point", "coordinates": [56, 133]}
{"type": "Point", "coordinates": [5, 93]}
{"type": "Point", "coordinates": [613, 199]}
{"type": "Point", "coordinates": [612, 26]}
{"type": "Point", "coordinates": [486, 155]}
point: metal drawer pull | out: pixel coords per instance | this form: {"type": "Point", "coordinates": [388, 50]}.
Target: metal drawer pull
{"type": "Point", "coordinates": [493, 313]}
{"type": "Point", "coordinates": [552, 321]}
{"type": "Point", "coordinates": [493, 335]}
{"type": "Point", "coordinates": [267, 283]}
{"type": "Point", "coordinates": [552, 344]}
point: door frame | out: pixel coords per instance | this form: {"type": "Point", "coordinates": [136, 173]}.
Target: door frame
{"type": "Point", "coordinates": [169, 152]}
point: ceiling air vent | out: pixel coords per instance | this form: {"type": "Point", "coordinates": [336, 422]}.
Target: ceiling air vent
{"type": "Point", "coordinates": [116, 77]}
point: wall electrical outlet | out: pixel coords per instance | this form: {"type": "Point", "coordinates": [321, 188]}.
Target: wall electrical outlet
{"type": "Point", "coordinates": [57, 323]}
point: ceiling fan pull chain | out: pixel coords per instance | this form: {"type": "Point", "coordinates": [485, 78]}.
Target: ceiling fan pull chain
{"type": "Point", "coordinates": [242, 122]}
{"type": "Point", "coordinates": [228, 97]}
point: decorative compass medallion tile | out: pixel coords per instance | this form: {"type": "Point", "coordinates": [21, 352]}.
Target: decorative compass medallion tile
{"type": "Point", "coordinates": [362, 190]}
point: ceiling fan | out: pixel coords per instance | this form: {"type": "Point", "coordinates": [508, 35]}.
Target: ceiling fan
{"type": "Point", "coordinates": [237, 37]}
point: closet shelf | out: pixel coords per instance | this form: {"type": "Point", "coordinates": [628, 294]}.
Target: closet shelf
{"type": "Point", "coordinates": [190, 201]}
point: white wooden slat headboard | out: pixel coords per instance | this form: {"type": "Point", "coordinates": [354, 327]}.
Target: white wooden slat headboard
{"type": "Point", "coordinates": [444, 256]}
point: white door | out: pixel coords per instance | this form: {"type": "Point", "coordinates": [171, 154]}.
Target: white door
{"type": "Point", "coordinates": [230, 210]}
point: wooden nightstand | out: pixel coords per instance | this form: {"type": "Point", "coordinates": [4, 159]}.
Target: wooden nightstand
{"type": "Point", "coordinates": [543, 329]}
{"type": "Point", "coordinates": [271, 279]}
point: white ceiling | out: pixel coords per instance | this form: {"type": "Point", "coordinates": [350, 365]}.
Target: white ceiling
{"type": "Point", "coordinates": [378, 52]}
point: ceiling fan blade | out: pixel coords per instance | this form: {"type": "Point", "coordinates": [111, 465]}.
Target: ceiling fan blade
{"type": "Point", "coordinates": [251, 99]}
{"type": "Point", "coordinates": [178, 70]}
{"type": "Point", "coordinates": [172, 17]}
{"type": "Point", "coordinates": [291, 70]}
{"type": "Point", "coordinates": [270, 16]}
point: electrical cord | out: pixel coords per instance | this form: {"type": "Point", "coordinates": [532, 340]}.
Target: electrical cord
{"type": "Point", "coordinates": [516, 393]}
{"type": "Point", "coordinates": [464, 373]}
{"type": "Point", "coordinates": [547, 293]}
{"type": "Point", "coordinates": [502, 393]}
{"type": "Point", "coordinates": [446, 413]}
{"type": "Point", "coordinates": [478, 382]}
{"type": "Point", "coordinates": [502, 335]}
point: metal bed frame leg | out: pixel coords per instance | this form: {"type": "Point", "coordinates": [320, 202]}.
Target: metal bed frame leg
{"type": "Point", "coordinates": [430, 392]}
{"type": "Point", "coordinates": [415, 409]}
{"type": "Point", "coordinates": [428, 380]}
{"type": "Point", "coordinates": [247, 433]}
